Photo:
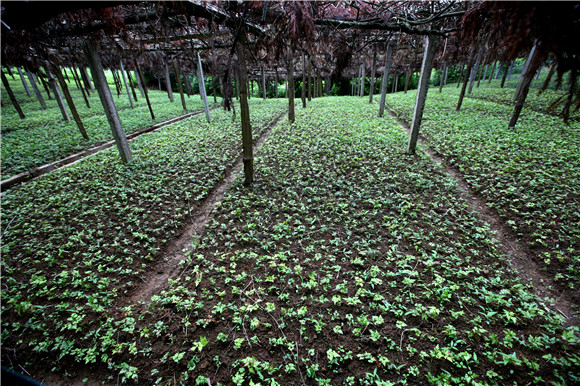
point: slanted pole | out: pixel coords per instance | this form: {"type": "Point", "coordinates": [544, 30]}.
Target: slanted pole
{"type": "Point", "coordinates": [385, 80]}
{"type": "Point", "coordinates": [126, 85]}
{"type": "Point", "coordinates": [248, 154]}
{"type": "Point", "coordinates": [144, 88]}
{"type": "Point", "coordinates": [139, 85]}
{"type": "Point", "coordinates": [71, 104]}
{"type": "Point", "coordinates": [509, 77]}
{"type": "Point", "coordinates": [80, 84]}
{"type": "Point", "coordinates": [407, 77]}
{"type": "Point", "coordinates": [168, 83]}
{"type": "Point", "coordinates": [202, 87]}
{"type": "Point", "coordinates": [504, 76]}
{"type": "Point", "coordinates": [32, 79]}
{"type": "Point", "coordinates": [373, 73]}
{"type": "Point", "coordinates": [86, 80]}
{"type": "Point", "coordinates": [464, 87]}
{"type": "Point", "coordinates": [492, 71]}
{"type": "Point", "coordinates": [57, 96]}
{"type": "Point", "coordinates": [290, 88]}
{"type": "Point", "coordinates": [534, 61]}
{"type": "Point", "coordinates": [430, 42]}
{"type": "Point", "coordinates": [524, 70]}
{"type": "Point", "coordinates": [263, 82]}
{"type": "Point", "coordinates": [443, 72]}
{"type": "Point", "coordinates": [12, 97]}
{"type": "Point", "coordinates": [180, 87]}
{"type": "Point", "coordinates": [473, 75]}
{"type": "Point", "coordinates": [24, 83]}
{"type": "Point", "coordinates": [108, 103]}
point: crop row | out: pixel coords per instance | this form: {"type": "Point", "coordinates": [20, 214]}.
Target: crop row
{"type": "Point", "coordinates": [347, 262]}
{"type": "Point", "coordinates": [43, 136]}
{"type": "Point", "coordinates": [530, 176]}
{"type": "Point", "coordinates": [76, 239]}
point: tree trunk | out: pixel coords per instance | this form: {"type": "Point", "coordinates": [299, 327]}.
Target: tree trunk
{"type": "Point", "coordinates": [213, 88]}
{"type": "Point", "coordinates": [263, 82]}
{"type": "Point", "coordinates": [442, 76]}
{"type": "Point", "coordinates": [144, 88]}
{"type": "Point", "coordinates": [535, 60]}
{"type": "Point", "coordinates": [179, 86]}
{"type": "Point", "coordinates": [362, 78]}
{"type": "Point", "coordinates": [24, 83]}
{"type": "Point", "coordinates": [430, 43]}
{"type": "Point", "coordinates": [480, 75]}
{"type": "Point", "coordinates": [58, 96]}
{"type": "Point", "coordinates": [188, 89]}
{"type": "Point", "coordinates": [303, 88]}
{"type": "Point", "coordinates": [373, 73]}
{"type": "Point", "coordinates": [108, 103]}
{"type": "Point", "coordinates": [32, 79]}
{"type": "Point", "coordinates": [12, 97]}
{"type": "Point", "coordinates": [309, 79]}
{"type": "Point", "coordinates": [290, 88]}
{"type": "Point", "coordinates": [202, 87]}
{"type": "Point", "coordinates": [277, 81]}
{"type": "Point", "coordinates": [407, 77]}
{"type": "Point", "coordinates": [71, 103]}
{"type": "Point", "coordinates": [126, 85]}
{"type": "Point", "coordinates": [549, 77]}
{"type": "Point", "coordinates": [385, 80]}
{"type": "Point", "coordinates": [497, 71]}
{"type": "Point", "coordinates": [168, 83]}
{"type": "Point", "coordinates": [248, 156]}
{"type": "Point", "coordinates": [446, 74]}
{"type": "Point", "coordinates": [465, 81]}
{"type": "Point", "coordinates": [484, 73]}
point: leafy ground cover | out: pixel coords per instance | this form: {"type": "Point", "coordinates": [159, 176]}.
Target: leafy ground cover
{"type": "Point", "coordinates": [550, 101]}
{"type": "Point", "coordinates": [530, 176]}
{"type": "Point", "coordinates": [76, 239]}
{"type": "Point", "coordinates": [43, 136]}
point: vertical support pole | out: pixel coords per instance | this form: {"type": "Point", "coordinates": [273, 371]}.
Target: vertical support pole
{"type": "Point", "coordinates": [309, 79]}
{"type": "Point", "coordinates": [144, 88]}
{"type": "Point", "coordinates": [441, 81]}
{"type": "Point", "coordinates": [509, 77]}
{"type": "Point", "coordinates": [86, 80]}
{"type": "Point", "coordinates": [290, 87]}
{"type": "Point", "coordinates": [373, 73]}
{"type": "Point", "coordinates": [188, 89]}
{"type": "Point", "coordinates": [202, 86]}
{"type": "Point", "coordinates": [534, 61]}
{"type": "Point", "coordinates": [491, 72]}
{"type": "Point", "coordinates": [474, 72]}
{"type": "Point", "coordinates": [362, 79]}
{"type": "Point", "coordinates": [303, 88]}
{"type": "Point", "coordinates": [407, 77]}
{"type": "Point", "coordinates": [12, 97]}
{"type": "Point", "coordinates": [168, 83]}
{"type": "Point", "coordinates": [24, 83]}
{"type": "Point", "coordinates": [126, 85]}
{"type": "Point", "coordinates": [32, 79]}
{"type": "Point", "coordinates": [107, 100]}
{"type": "Point", "coordinates": [248, 154]}
{"type": "Point", "coordinates": [80, 84]}
{"type": "Point", "coordinates": [465, 81]}
{"type": "Point", "coordinates": [263, 82]}
{"type": "Point", "coordinates": [430, 42]}
{"type": "Point", "coordinates": [180, 87]}
{"type": "Point", "coordinates": [460, 74]}
{"type": "Point", "coordinates": [385, 79]}
{"type": "Point", "coordinates": [57, 96]}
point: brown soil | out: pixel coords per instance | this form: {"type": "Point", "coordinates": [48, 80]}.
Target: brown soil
{"type": "Point", "coordinates": [177, 249]}
{"type": "Point", "coordinates": [520, 254]}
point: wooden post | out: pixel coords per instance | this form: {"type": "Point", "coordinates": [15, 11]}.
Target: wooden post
{"type": "Point", "coordinates": [24, 83]}
{"type": "Point", "coordinates": [373, 73]}
{"type": "Point", "coordinates": [70, 102]}
{"type": "Point", "coordinates": [549, 77]}
{"type": "Point", "coordinates": [534, 62]}
{"type": "Point", "coordinates": [117, 81]}
{"type": "Point", "coordinates": [290, 87]}
{"type": "Point", "coordinates": [80, 83]}
{"type": "Point", "coordinates": [139, 85]}
{"type": "Point", "coordinates": [277, 81]}
{"type": "Point", "coordinates": [504, 76]}
{"type": "Point", "coordinates": [45, 85]}
{"type": "Point", "coordinates": [144, 87]}
{"type": "Point", "coordinates": [188, 89]}
{"type": "Point", "coordinates": [32, 79]}
{"type": "Point", "coordinates": [57, 96]}
{"type": "Point", "coordinates": [524, 70]}
{"type": "Point", "coordinates": [430, 42]}
{"type": "Point", "coordinates": [248, 155]}
{"type": "Point", "coordinates": [492, 71]}
{"type": "Point", "coordinates": [460, 74]}
{"type": "Point", "coordinates": [303, 88]}
{"type": "Point", "coordinates": [108, 103]}
{"type": "Point", "coordinates": [407, 77]}
{"type": "Point", "coordinates": [497, 71]}
{"type": "Point", "coordinates": [484, 74]}
{"type": "Point", "coordinates": [362, 78]}
{"type": "Point", "coordinates": [442, 76]}
{"type": "Point", "coordinates": [168, 83]}
{"type": "Point", "coordinates": [126, 85]}
{"type": "Point", "coordinates": [213, 84]}
{"type": "Point", "coordinates": [465, 81]}
{"type": "Point", "coordinates": [179, 86]}
{"type": "Point", "coordinates": [309, 79]}
{"type": "Point", "coordinates": [202, 87]}
{"type": "Point", "coordinates": [12, 97]}
{"type": "Point", "coordinates": [509, 77]}
{"type": "Point", "coordinates": [385, 79]}
{"type": "Point", "coordinates": [86, 80]}
{"type": "Point", "coordinates": [474, 71]}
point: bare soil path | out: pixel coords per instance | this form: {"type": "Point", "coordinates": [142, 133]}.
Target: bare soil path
{"type": "Point", "coordinates": [520, 255]}
{"type": "Point", "coordinates": [167, 266]}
